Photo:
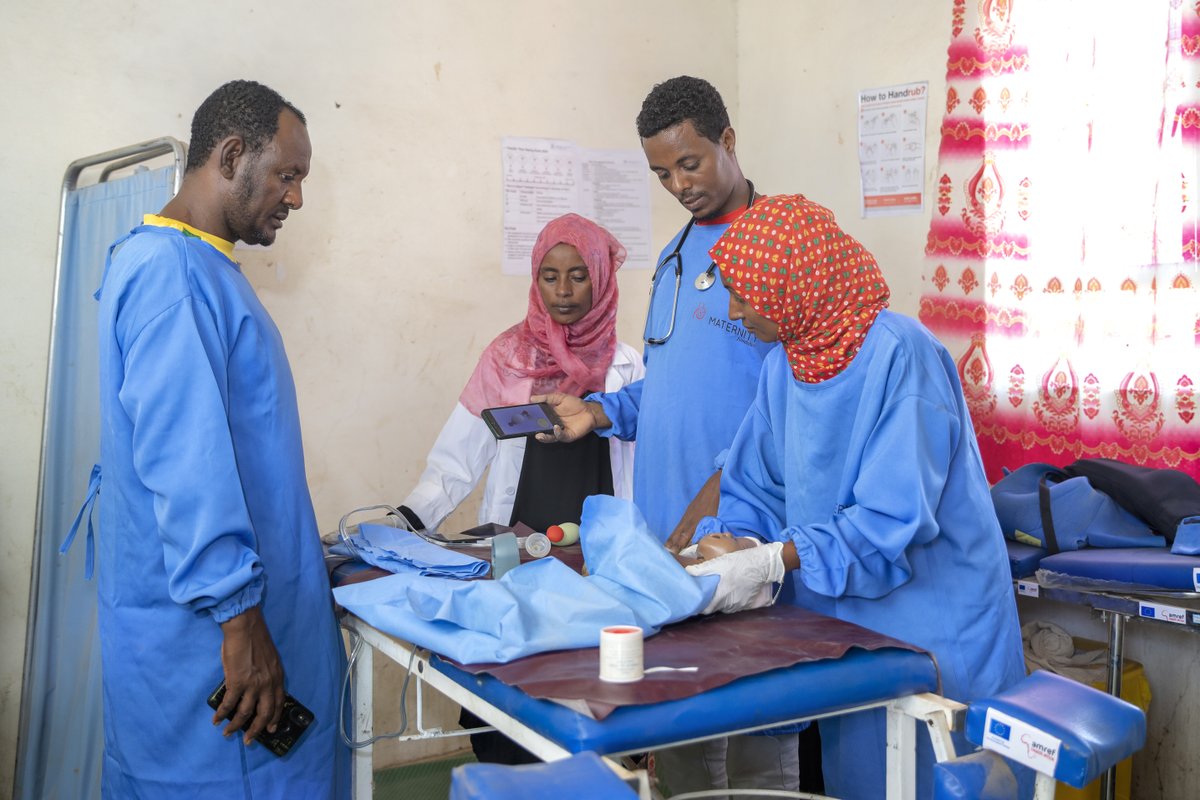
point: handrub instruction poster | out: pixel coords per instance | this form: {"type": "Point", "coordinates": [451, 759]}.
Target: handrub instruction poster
{"type": "Point", "coordinates": [891, 149]}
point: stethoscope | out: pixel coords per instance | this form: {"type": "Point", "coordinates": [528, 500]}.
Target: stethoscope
{"type": "Point", "coordinates": [703, 282]}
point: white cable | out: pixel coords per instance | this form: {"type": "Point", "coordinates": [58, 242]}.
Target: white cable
{"type": "Point", "coordinates": [358, 641]}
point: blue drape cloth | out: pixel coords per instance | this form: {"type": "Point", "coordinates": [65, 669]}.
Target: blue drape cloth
{"type": "Point", "coordinates": [403, 551]}
{"type": "Point", "coordinates": [541, 605]}
{"type": "Point", "coordinates": [61, 736]}
{"type": "Point", "coordinates": [1082, 515]}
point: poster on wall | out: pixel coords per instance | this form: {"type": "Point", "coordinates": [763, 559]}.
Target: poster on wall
{"type": "Point", "coordinates": [546, 178]}
{"type": "Point", "coordinates": [891, 149]}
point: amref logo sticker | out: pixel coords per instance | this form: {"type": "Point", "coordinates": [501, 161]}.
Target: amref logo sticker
{"type": "Point", "coordinates": [1020, 741]}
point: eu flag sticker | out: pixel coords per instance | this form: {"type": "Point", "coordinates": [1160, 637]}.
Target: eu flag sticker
{"type": "Point", "coordinates": [998, 728]}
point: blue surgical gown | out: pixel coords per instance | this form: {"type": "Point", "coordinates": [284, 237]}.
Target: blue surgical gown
{"type": "Point", "coordinates": [204, 513]}
{"type": "Point", "coordinates": [876, 477]}
{"type": "Point", "coordinates": [697, 388]}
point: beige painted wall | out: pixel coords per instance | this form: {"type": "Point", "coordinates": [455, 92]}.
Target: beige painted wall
{"type": "Point", "coordinates": [386, 286]}
{"type": "Point", "coordinates": [801, 66]}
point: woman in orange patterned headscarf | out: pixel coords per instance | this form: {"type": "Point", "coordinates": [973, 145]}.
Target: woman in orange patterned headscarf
{"type": "Point", "coordinates": [791, 263]}
{"type": "Point", "coordinates": [858, 465]}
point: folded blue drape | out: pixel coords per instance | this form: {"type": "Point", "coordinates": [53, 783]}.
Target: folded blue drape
{"type": "Point", "coordinates": [397, 550]}
{"type": "Point", "coordinates": [541, 605]}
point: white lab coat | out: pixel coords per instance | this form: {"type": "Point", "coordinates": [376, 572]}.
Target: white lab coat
{"type": "Point", "coordinates": [465, 448]}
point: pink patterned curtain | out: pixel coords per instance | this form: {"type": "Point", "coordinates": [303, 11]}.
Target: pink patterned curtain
{"type": "Point", "coordinates": [1061, 266]}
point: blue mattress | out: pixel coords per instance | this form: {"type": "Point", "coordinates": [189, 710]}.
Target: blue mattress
{"type": "Point", "coordinates": [804, 690]}
{"type": "Point", "coordinates": [1136, 567]}
{"type": "Point", "coordinates": [1023, 559]}
{"type": "Point", "coordinates": [1093, 729]}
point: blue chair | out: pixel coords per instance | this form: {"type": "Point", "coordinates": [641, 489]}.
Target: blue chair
{"type": "Point", "coordinates": [1064, 730]}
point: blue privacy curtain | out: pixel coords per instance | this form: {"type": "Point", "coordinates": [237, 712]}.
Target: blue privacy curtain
{"type": "Point", "coordinates": [61, 740]}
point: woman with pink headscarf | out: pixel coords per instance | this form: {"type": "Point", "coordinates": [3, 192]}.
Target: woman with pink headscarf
{"type": "Point", "coordinates": [566, 343]}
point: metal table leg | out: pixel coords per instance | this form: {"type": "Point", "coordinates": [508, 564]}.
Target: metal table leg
{"type": "Point", "coordinates": [362, 694]}
{"type": "Point", "coordinates": [1116, 669]}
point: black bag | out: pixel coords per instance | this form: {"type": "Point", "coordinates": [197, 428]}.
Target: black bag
{"type": "Point", "coordinates": [1164, 498]}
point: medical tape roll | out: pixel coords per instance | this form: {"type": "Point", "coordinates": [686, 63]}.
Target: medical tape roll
{"type": "Point", "coordinates": [621, 653]}
{"type": "Point", "coordinates": [504, 554]}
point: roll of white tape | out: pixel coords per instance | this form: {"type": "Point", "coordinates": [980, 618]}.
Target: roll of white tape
{"type": "Point", "coordinates": [621, 653]}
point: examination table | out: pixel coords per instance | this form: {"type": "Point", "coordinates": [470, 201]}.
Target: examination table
{"type": "Point", "coordinates": [753, 670]}
{"type": "Point", "coordinates": [839, 678]}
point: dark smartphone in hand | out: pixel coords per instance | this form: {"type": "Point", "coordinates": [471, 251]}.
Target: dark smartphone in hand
{"type": "Point", "coordinates": [509, 422]}
{"type": "Point", "coordinates": [294, 720]}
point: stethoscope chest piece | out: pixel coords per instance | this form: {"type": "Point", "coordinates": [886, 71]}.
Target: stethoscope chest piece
{"type": "Point", "coordinates": [704, 281]}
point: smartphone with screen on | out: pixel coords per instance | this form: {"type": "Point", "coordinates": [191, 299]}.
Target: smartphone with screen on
{"type": "Point", "coordinates": [294, 721]}
{"type": "Point", "coordinates": [510, 422]}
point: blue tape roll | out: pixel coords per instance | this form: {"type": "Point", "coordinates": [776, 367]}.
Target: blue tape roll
{"type": "Point", "coordinates": [504, 554]}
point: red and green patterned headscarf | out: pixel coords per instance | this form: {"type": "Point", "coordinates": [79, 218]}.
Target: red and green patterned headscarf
{"type": "Point", "coordinates": [787, 258]}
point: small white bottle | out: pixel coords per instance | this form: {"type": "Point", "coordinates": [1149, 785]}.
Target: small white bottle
{"type": "Point", "coordinates": [537, 545]}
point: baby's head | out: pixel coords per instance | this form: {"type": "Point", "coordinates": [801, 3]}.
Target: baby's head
{"type": "Point", "coordinates": [718, 544]}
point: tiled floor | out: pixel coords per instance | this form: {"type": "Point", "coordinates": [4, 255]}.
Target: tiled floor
{"type": "Point", "coordinates": [428, 780]}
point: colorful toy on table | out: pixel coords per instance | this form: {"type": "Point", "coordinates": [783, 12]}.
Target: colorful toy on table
{"type": "Point", "coordinates": [564, 534]}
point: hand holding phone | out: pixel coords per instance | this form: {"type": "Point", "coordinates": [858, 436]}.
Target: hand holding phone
{"type": "Point", "coordinates": [510, 422]}
{"type": "Point", "coordinates": [294, 720]}
{"type": "Point", "coordinates": [576, 417]}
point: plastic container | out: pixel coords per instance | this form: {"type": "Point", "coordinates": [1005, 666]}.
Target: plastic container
{"type": "Point", "coordinates": [537, 545]}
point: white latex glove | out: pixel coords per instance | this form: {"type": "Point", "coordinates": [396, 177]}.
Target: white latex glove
{"type": "Point", "coordinates": [747, 577]}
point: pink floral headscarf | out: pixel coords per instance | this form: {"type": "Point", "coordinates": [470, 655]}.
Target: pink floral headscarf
{"type": "Point", "coordinates": [539, 355]}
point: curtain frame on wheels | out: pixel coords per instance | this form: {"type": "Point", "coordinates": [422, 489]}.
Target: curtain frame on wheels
{"type": "Point", "coordinates": [113, 161]}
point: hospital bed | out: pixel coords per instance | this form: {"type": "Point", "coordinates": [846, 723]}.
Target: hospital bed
{"type": "Point", "coordinates": [1086, 731]}
{"type": "Point", "coordinates": [810, 667]}
{"type": "Point", "coordinates": [1062, 730]}
{"type": "Point", "coordinates": [902, 681]}
{"type": "Point", "coordinates": [1150, 586]}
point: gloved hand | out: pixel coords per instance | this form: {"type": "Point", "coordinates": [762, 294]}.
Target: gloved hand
{"type": "Point", "coordinates": [747, 577]}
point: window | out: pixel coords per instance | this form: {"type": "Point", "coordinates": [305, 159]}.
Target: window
{"type": "Point", "coordinates": [1061, 258]}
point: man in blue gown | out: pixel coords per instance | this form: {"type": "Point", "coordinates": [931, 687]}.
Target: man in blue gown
{"type": "Point", "coordinates": [701, 369]}
{"type": "Point", "coordinates": [210, 561]}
